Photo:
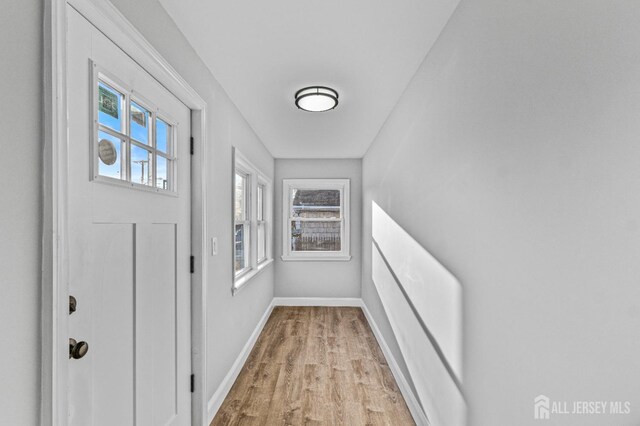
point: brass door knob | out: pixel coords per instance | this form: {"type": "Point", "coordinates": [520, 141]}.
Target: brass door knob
{"type": "Point", "coordinates": [77, 349]}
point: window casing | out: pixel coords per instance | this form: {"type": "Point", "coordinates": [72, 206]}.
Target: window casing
{"type": "Point", "coordinates": [315, 219]}
{"type": "Point", "coordinates": [252, 224]}
{"type": "Point", "coordinates": [134, 141]}
{"type": "Point", "coordinates": [261, 222]}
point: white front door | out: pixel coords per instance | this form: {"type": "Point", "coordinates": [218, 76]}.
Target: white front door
{"type": "Point", "coordinates": [129, 239]}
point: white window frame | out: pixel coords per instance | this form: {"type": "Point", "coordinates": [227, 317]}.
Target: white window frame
{"type": "Point", "coordinates": [266, 220]}
{"type": "Point", "coordinates": [254, 178]}
{"type": "Point", "coordinates": [342, 185]}
{"type": "Point", "coordinates": [239, 170]}
{"type": "Point", "coordinates": [100, 74]}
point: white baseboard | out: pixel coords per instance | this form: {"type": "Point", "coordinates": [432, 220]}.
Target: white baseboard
{"type": "Point", "coordinates": [416, 410]}
{"type": "Point", "coordinates": [221, 393]}
{"type": "Point", "coordinates": [317, 301]}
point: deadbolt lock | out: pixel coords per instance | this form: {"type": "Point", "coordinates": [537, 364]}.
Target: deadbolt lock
{"type": "Point", "coordinates": [77, 349]}
{"type": "Point", "coordinates": [73, 303]}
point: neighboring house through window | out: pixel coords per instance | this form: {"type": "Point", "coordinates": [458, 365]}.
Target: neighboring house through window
{"type": "Point", "coordinates": [316, 219]}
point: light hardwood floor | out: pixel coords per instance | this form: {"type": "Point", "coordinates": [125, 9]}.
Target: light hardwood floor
{"type": "Point", "coordinates": [315, 366]}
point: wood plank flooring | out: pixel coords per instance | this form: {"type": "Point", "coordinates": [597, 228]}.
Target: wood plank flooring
{"type": "Point", "coordinates": [315, 366]}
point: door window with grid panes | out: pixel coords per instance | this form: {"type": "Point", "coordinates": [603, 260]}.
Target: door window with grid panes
{"type": "Point", "coordinates": [134, 142]}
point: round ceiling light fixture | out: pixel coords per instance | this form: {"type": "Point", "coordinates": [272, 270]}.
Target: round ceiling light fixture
{"type": "Point", "coordinates": [316, 99]}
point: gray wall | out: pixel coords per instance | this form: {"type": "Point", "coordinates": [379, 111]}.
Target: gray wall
{"type": "Point", "coordinates": [231, 319]}
{"type": "Point", "coordinates": [319, 279]}
{"type": "Point", "coordinates": [513, 157]}
{"type": "Point", "coordinates": [20, 209]}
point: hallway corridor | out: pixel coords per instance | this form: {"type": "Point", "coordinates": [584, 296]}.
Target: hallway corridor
{"type": "Point", "coordinates": [317, 366]}
{"type": "Point", "coordinates": [288, 213]}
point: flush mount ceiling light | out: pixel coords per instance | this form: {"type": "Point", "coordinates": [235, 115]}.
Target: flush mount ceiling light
{"type": "Point", "coordinates": [316, 98]}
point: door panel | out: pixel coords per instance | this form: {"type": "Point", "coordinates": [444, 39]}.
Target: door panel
{"type": "Point", "coordinates": [156, 322]}
{"type": "Point", "coordinates": [128, 258]}
{"type": "Point", "coordinates": [113, 310]}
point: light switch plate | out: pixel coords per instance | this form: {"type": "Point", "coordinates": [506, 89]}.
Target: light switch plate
{"type": "Point", "coordinates": [214, 246]}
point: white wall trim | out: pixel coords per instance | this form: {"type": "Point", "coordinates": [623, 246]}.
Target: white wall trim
{"type": "Point", "coordinates": [317, 301]}
{"type": "Point", "coordinates": [53, 373]}
{"type": "Point", "coordinates": [221, 393]}
{"type": "Point", "coordinates": [410, 398]}
{"type": "Point", "coordinates": [55, 292]}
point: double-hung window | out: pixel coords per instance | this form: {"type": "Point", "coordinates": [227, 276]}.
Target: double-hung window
{"type": "Point", "coordinates": [261, 223]}
{"type": "Point", "coordinates": [315, 219]}
{"type": "Point", "coordinates": [252, 221]}
{"type": "Point", "coordinates": [242, 223]}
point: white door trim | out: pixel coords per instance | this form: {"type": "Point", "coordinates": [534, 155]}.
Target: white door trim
{"type": "Point", "coordinates": [55, 290]}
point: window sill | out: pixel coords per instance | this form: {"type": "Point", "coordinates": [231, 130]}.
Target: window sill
{"type": "Point", "coordinates": [242, 281]}
{"type": "Point", "coordinates": [336, 258]}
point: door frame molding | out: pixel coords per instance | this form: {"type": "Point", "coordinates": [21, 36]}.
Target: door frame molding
{"type": "Point", "coordinates": [55, 261]}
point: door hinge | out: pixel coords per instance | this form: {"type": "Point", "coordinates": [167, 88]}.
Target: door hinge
{"type": "Point", "coordinates": [193, 264]}
{"type": "Point", "coordinates": [191, 145]}
{"type": "Point", "coordinates": [193, 383]}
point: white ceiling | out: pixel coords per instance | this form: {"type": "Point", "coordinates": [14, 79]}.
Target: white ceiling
{"type": "Point", "coordinates": [261, 52]}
